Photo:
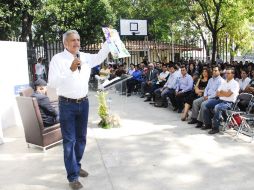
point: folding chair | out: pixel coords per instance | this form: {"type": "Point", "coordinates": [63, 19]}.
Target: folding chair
{"type": "Point", "coordinates": [246, 126]}
{"type": "Point", "coordinates": [233, 120]}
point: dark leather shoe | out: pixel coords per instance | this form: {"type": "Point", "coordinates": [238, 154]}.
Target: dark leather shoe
{"type": "Point", "coordinates": [142, 96]}
{"type": "Point", "coordinates": [75, 185]}
{"type": "Point", "coordinates": [128, 94]}
{"type": "Point", "coordinates": [192, 121]}
{"type": "Point", "coordinates": [147, 100]}
{"type": "Point", "coordinates": [199, 124]}
{"type": "Point", "coordinates": [83, 173]}
{"type": "Point", "coordinates": [214, 131]}
{"type": "Point", "coordinates": [206, 127]}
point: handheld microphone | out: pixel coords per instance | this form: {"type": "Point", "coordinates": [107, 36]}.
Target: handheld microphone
{"type": "Point", "coordinates": [78, 56]}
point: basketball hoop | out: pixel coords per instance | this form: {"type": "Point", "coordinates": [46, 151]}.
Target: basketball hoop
{"type": "Point", "coordinates": [133, 27]}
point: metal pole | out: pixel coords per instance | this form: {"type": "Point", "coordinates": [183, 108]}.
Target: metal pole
{"type": "Point", "coordinates": [173, 52]}
{"type": "Point", "coordinates": [226, 47]}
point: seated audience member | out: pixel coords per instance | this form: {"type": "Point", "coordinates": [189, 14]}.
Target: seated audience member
{"type": "Point", "coordinates": [134, 81]}
{"type": "Point", "coordinates": [191, 69]}
{"type": "Point", "coordinates": [178, 69]}
{"type": "Point", "coordinates": [118, 73]}
{"type": "Point", "coordinates": [227, 94]}
{"type": "Point", "coordinates": [209, 93]}
{"type": "Point", "coordinates": [183, 89]}
{"type": "Point", "coordinates": [250, 87]}
{"type": "Point", "coordinates": [163, 76]}
{"type": "Point", "coordinates": [158, 67]}
{"type": "Point", "coordinates": [250, 71]}
{"type": "Point", "coordinates": [168, 89]}
{"type": "Point", "coordinates": [104, 74]}
{"type": "Point", "coordinates": [161, 80]}
{"type": "Point", "coordinates": [48, 113]}
{"type": "Point", "coordinates": [131, 69]}
{"type": "Point", "coordinates": [244, 81]}
{"type": "Point", "coordinates": [198, 93]}
{"type": "Point", "coordinates": [150, 80]}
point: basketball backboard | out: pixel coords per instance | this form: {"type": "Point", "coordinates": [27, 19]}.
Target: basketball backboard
{"type": "Point", "coordinates": [129, 27]}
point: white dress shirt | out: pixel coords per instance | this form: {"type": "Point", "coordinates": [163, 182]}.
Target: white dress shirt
{"type": "Point", "coordinates": [244, 83]}
{"type": "Point", "coordinates": [164, 74]}
{"type": "Point", "coordinates": [39, 69]}
{"type": "Point", "coordinates": [230, 85]}
{"type": "Point", "coordinates": [73, 84]}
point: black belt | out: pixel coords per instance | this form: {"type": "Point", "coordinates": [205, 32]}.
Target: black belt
{"type": "Point", "coordinates": [79, 100]}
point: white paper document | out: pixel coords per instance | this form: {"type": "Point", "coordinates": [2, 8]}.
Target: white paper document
{"type": "Point", "coordinates": [116, 46]}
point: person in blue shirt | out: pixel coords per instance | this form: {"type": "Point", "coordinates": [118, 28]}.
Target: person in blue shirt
{"type": "Point", "coordinates": [168, 90]}
{"type": "Point", "coordinates": [183, 89]}
{"type": "Point", "coordinates": [135, 80]}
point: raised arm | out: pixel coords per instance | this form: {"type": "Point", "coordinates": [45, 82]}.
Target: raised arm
{"type": "Point", "coordinates": [96, 59]}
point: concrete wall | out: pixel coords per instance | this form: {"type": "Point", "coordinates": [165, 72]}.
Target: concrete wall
{"type": "Point", "coordinates": [13, 77]}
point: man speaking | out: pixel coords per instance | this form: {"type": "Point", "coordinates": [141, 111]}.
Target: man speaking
{"type": "Point", "coordinates": [69, 73]}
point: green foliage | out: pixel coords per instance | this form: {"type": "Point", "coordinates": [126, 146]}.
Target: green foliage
{"type": "Point", "coordinates": [217, 18]}
{"type": "Point", "coordinates": [87, 17]}
{"type": "Point", "coordinates": [187, 19]}
{"type": "Point", "coordinates": [16, 18]}
{"type": "Point", "coordinates": [103, 110]}
{"type": "Point", "coordinates": [107, 120]}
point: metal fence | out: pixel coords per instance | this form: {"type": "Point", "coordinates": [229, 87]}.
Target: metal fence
{"type": "Point", "coordinates": [152, 51]}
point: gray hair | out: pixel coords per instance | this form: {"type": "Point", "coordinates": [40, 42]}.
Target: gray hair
{"type": "Point", "coordinates": [69, 32]}
{"type": "Point", "coordinates": [151, 64]}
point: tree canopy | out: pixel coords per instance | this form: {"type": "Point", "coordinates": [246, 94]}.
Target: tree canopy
{"type": "Point", "coordinates": [40, 20]}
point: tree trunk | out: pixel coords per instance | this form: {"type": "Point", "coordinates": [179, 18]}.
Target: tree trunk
{"type": "Point", "coordinates": [26, 27]}
{"type": "Point", "coordinates": [214, 46]}
{"type": "Point", "coordinates": [205, 43]}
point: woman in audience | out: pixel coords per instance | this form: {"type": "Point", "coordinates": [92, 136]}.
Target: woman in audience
{"type": "Point", "coordinates": [192, 71]}
{"type": "Point", "coordinates": [198, 92]}
{"type": "Point", "coordinates": [252, 74]}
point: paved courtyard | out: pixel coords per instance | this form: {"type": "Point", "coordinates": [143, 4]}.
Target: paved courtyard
{"type": "Point", "coordinates": [153, 150]}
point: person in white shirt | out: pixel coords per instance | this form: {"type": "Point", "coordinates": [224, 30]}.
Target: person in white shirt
{"type": "Point", "coordinates": [226, 95]}
{"type": "Point", "coordinates": [131, 69]}
{"type": "Point", "coordinates": [163, 76]}
{"type": "Point", "coordinates": [178, 70]}
{"type": "Point", "coordinates": [244, 81]}
{"type": "Point", "coordinates": [104, 75]}
{"type": "Point", "coordinates": [40, 71]}
{"type": "Point", "coordinates": [69, 73]}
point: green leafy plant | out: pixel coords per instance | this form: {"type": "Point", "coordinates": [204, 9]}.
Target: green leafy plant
{"type": "Point", "coordinates": [103, 110]}
{"type": "Point", "coordinates": [107, 120]}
